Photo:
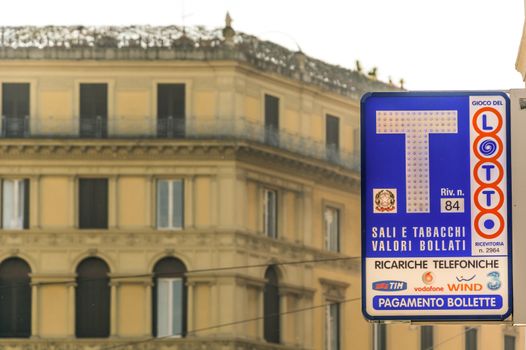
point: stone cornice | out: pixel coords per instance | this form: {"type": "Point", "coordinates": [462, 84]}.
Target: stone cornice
{"type": "Point", "coordinates": [115, 151]}
{"type": "Point", "coordinates": [258, 246]}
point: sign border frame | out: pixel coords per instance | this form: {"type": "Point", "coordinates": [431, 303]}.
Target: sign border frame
{"type": "Point", "coordinates": [440, 318]}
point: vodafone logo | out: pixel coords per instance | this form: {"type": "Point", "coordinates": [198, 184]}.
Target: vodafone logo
{"type": "Point", "coordinates": [428, 277]}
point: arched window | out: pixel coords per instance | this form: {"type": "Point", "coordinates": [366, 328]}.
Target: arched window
{"type": "Point", "coordinates": [15, 299]}
{"type": "Point", "coordinates": [271, 324]}
{"type": "Point", "coordinates": [92, 299]}
{"type": "Point", "coordinates": [169, 298]}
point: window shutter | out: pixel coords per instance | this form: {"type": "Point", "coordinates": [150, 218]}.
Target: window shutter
{"type": "Point", "coordinates": [92, 299]}
{"type": "Point", "coordinates": [15, 299]}
{"type": "Point", "coordinates": [93, 203]}
{"type": "Point", "coordinates": [171, 109]}
{"type": "Point", "coordinates": [26, 191]}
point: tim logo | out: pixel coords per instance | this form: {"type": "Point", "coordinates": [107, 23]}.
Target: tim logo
{"type": "Point", "coordinates": [389, 286]}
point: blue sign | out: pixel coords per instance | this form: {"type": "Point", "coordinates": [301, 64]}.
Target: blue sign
{"type": "Point", "coordinates": [436, 206]}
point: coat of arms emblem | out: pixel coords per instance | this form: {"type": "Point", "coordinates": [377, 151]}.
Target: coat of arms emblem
{"type": "Point", "coordinates": [385, 200]}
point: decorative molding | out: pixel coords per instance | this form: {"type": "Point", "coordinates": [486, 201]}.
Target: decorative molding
{"type": "Point", "coordinates": [334, 290]}
{"type": "Point", "coordinates": [187, 242]}
{"type": "Point", "coordinates": [192, 342]}
{"type": "Point", "coordinates": [43, 150]}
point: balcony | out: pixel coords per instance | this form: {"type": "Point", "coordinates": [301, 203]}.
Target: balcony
{"type": "Point", "coordinates": [175, 128]}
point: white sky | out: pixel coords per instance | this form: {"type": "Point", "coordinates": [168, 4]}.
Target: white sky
{"type": "Point", "coordinates": [432, 44]}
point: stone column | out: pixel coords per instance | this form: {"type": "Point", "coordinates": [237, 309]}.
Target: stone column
{"type": "Point", "coordinates": [148, 308]}
{"type": "Point", "coordinates": [114, 316]}
{"type": "Point", "coordinates": [71, 310]}
{"type": "Point", "coordinates": [35, 312]}
{"type": "Point", "coordinates": [190, 321]}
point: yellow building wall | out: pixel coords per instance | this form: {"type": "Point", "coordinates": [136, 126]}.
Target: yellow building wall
{"type": "Point", "coordinates": [133, 202]}
{"type": "Point", "coordinates": [56, 201]}
{"type": "Point", "coordinates": [53, 315]}
{"type": "Point", "coordinates": [132, 311]}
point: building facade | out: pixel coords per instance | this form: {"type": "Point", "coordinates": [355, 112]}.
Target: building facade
{"type": "Point", "coordinates": [185, 189]}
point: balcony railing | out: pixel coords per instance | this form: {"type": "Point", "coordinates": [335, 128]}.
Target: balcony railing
{"type": "Point", "coordinates": [176, 128]}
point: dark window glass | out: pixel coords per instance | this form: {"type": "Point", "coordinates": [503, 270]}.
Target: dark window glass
{"type": "Point", "coordinates": [332, 137]}
{"type": "Point", "coordinates": [15, 109]}
{"type": "Point", "coordinates": [271, 321]}
{"type": "Point", "coordinates": [93, 110]}
{"type": "Point", "coordinates": [380, 336]}
{"type": "Point", "coordinates": [93, 203]}
{"type": "Point", "coordinates": [92, 299]}
{"type": "Point", "coordinates": [169, 298]}
{"type": "Point", "coordinates": [15, 299]}
{"type": "Point", "coordinates": [272, 120]}
{"type": "Point", "coordinates": [509, 342]}
{"type": "Point", "coordinates": [171, 110]}
{"type": "Point", "coordinates": [426, 337]}
{"type": "Point", "coordinates": [471, 338]}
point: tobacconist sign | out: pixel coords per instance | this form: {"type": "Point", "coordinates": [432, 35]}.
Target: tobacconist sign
{"type": "Point", "coordinates": [436, 218]}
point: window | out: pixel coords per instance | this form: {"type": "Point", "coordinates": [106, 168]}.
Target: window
{"type": "Point", "coordinates": [272, 120]}
{"type": "Point", "coordinates": [332, 229]}
{"type": "Point", "coordinates": [332, 326]}
{"type": "Point", "coordinates": [426, 338]}
{"type": "Point", "coordinates": [93, 203]}
{"type": "Point", "coordinates": [15, 109]}
{"type": "Point", "coordinates": [380, 336]}
{"type": "Point", "coordinates": [471, 338]}
{"type": "Point", "coordinates": [15, 299]}
{"type": "Point", "coordinates": [332, 137]}
{"type": "Point", "coordinates": [170, 204]}
{"type": "Point", "coordinates": [93, 110]}
{"type": "Point", "coordinates": [169, 301]}
{"type": "Point", "coordinates": [15, 204]}
{"type": "Point", "coordinates": [271, 317]}
{"type": "Point", "coordinates": [509, 342]}
{"type": "Point", "coordinates": [92, 299]}
{"type": "Point", "coordinates": [171, 110]}
{"type": "Point", "coordinates": [270, 213]}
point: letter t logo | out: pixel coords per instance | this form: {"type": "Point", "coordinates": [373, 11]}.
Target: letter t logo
{"type": "Point", "coordinates": [416, 126]}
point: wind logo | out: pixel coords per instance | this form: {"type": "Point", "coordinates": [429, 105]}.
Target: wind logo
{"type": "Point", "coordinates": [464, 279]}
{"type": "Point", "coordinates": [464, 287]}
{"type": "Point", "coordinates": [389, 286]}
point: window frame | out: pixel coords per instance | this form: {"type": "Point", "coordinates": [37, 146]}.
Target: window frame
{"type": "Point", "coordinates": [102, 308]}
{"type": "Point", "coordinates": [424, 341]}
{"type": "Point", "coordinates": [171, 225]}
{"type": "Point", "coordinates": [20, 306]}
{"type": "Point", "coordinates": [266, 228]}
{"type": "Point", "coordinates": [271, 136]}
{"type": "Point", "coordinates": [514, 339]}
{"type": "Point", "coordinates": [173, 269]}
{"type": "Point", "coordinates": [26, 204]}
{"type": "Point", "coordinates": [170, 307]}
{"type": "Point", "coordinates": [272, 321]}
{"type": "Point", "coordinates": [74, 128]}
{"type": "Point", "coordinates": [469, 330]}
{"type": "Point", "coordinates": [327, 234]}
{"type": "Point", "coordinates": [79, 201]}
{"type": "Point", "coordinates": [329, 331]}
{"type": "Point", "coordinates": [32, 96]}
{"type": "Point", "coordinates": [380, 336]}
